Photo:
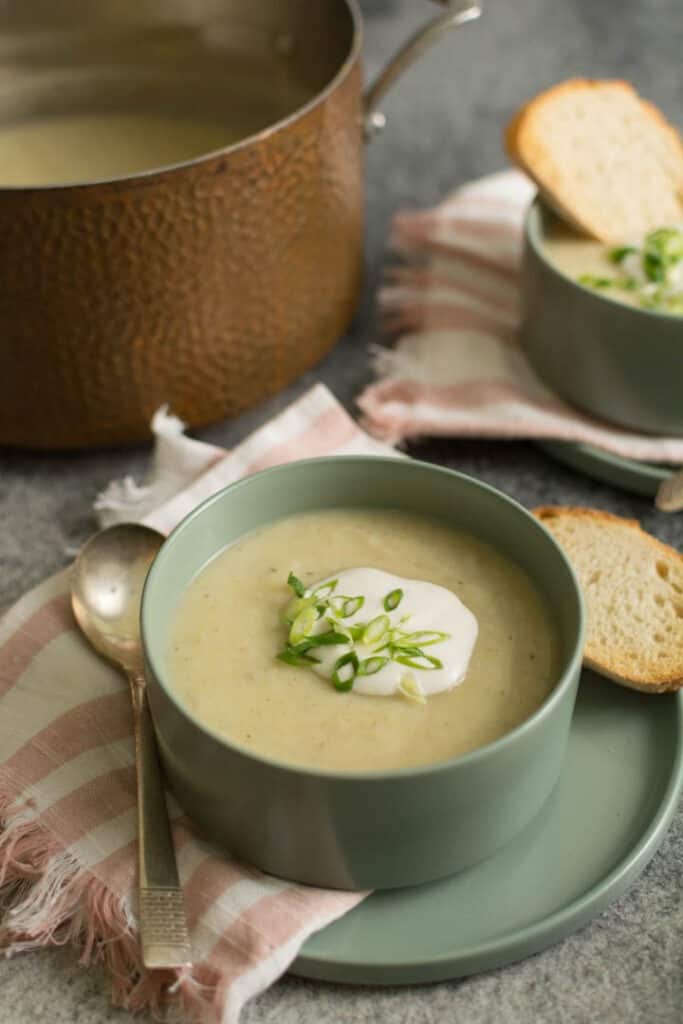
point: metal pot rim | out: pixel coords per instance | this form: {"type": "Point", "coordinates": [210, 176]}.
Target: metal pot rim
{"type": "Point", "coordinates": [316, 100]}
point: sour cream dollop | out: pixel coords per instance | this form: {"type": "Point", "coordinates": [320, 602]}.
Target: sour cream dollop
{"type": "Point", "coordinates": [423, 607]}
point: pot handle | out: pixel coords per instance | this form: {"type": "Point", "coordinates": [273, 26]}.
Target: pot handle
{"type": "Point", "coordinates": [455, 14]}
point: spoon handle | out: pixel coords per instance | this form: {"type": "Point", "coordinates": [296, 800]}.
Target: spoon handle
{"type": "Point", "coordinates": [164, 936]}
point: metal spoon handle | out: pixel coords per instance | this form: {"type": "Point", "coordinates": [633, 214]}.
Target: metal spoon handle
{"type": "Point", "coordinates": [164, 936]}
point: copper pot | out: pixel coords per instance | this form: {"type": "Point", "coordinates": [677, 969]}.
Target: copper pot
{"type": "Point", "coordinates": [207, 284]}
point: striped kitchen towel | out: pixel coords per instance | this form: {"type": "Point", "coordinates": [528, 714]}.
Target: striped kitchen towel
{"type": "Point", "coordinates": [67, 777]}
{"type": "Point", "coordinates": [457, 368]}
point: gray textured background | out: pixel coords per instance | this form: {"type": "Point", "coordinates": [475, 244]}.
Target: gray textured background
{"type": "Point", "coordinates": [445, 118]}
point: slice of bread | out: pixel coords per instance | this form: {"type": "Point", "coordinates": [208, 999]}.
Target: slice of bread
{"type": "Point", "coordinates": [607, 160]}
{"type": "Point", "coordinates": [633, 586]}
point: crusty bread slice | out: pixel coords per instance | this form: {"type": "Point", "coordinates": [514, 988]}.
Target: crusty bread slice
{"type": "Point", "coordinates": [633, 586]}
{"type": "Point", "coordinates": [607, 160]}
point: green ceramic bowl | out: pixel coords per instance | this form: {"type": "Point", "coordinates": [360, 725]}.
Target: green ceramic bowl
{"type": "Point", "coordinates": [621, 363]}
{"type": "Point", "coordinates": [351, 830]}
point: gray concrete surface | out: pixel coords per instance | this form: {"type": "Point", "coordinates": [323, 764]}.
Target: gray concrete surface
{"type": "Point", "coordinates": [444, 125]}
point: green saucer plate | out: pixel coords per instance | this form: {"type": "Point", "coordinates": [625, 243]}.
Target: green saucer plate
{"type": "Point", "coordinates": [638, 477]}
{"type": "Point", "coordinates": [601, 826]}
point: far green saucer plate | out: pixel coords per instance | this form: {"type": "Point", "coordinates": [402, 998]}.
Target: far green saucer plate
{"type": "Point", "coordinates": [639, 477]}
{"type": "Point", "coordinates": [602, 825]}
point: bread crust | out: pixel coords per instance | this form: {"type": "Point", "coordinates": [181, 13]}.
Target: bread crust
{"type": "Point", "coordinates": [527, 149]}
{"type": "Point", "coordinates": [617, 667]}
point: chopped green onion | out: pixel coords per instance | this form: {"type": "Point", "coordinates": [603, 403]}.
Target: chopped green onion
{"type": "Point", "coordinates": [322, 606]}
{"type": "Point", "coordinates": [593, 281]}
{"type": "Point", "coordinates": [293, 658]}
{"type": "Point", "coordinates": [296, 605]}
{"type": "Point", "coordinates": [301, 648]}
{"type": "Point", "coordinates": [325, 590]}
{"type": "Point", "coordinates": [619, 254]}
{"type": "Point", "coordinates": [419, 660]}
{"type": "Point", "coordinates": [411, 690]}
{"type": "Point", "coordinates": [345, 671]}
{"type": "Point", "coordinates": [295, 583]}
{"type": "Point", "coordinates": [328, 638]}
{"type": "Point", "coordinates": [375, 630]}
{"type": "Point", "coordinates": [346, 606]}
{"type": "Point", "coordinates": [629, 284]}
{"type": "Point", "coordinates": [653, 266]}
{"type": "Point", "coordinates": [422, 638]}
{"type": "Point", "coordinates": [371, 665]}
{"type": "Point", "coordinates": [303, 624]}
{"type": "Point", "coordinates": [665, 245]}
{"type": "Point", "coordinates": [393, 599]}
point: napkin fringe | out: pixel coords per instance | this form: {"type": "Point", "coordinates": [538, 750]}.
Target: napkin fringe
{"type": "Point", "coordinates": [50, 900]}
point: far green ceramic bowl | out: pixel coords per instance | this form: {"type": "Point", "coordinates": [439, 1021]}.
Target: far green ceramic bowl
{"type": "Point", "coordinates": [621, 363]}
{"type": "Point", "coordinates": [351, 830]}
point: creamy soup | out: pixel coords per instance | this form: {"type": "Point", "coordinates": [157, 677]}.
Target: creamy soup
{"type": "Point", "coordinates": [647, 273]}
{"type": "Point", "coordinates": [92, 147]}
{"type": "Point", "coordinates": [228, 629]}
{"type": "Point", "coordinates": [583, 258]}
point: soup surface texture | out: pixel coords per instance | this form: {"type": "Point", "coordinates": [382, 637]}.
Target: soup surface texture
{"type": "Point", "coordinates": [580, 257]}
{"type": "Point", "coordinates": [227, 630]}
{"type": "Point", "coordinates": [65, 149]}
{"type": "Point", "coordinates": [647, 273]}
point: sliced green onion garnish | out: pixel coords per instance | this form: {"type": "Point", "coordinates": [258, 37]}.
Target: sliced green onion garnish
{"type": "Point", "coordinates": [411, 690]}
{"type": "Point", "coordinates": [371, 665]}
{"type": "Point", "coordinates": [346, 606]}
{"type": "Point", "coordinates": [393, 599]}
{"type": "Point", "coordinates": [653, 266]}
{"type": "Point", "coordinates": [296, 605]}
{"type": "Point", "coordinates": [293, 658]}
{"type": "Point", "coordinates": [303, 624]}
{"type": "Point", "coordinates": [619, 254]}
{"type": "Point", "coordinates": [295, 583]}
{"type": "Point", "coordinates": [325, 590]}
{"type": "Point", "coordinates": [345, 671]}
{"type": "Point", "coordinates": [326, 639]}
{"type": "Point", "coordinates": [663, 248]}
{"type": "Point", "coordinates": [301, 648]}
{"type": "Point", "coordinates": [422, 638]}
{"type": "Point", "coordinates": [419, 660]}
{"type": "Point", "coordinates": [321, 609]}
{"type": "Point", "coordinates": [375, 630]}
{"type": "Point", "coordinates": [593, 281]}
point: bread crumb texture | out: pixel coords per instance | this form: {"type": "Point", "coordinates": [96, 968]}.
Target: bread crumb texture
{"type": "Point", "coordinates": [607, 160]}
{"type": "Point", "coordinates": [633, 588]}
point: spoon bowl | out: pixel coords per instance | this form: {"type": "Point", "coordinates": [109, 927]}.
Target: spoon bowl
{"type": "Point", "coordinates": [106, 590]}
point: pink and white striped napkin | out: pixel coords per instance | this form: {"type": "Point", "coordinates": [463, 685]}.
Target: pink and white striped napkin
{"type": "Point", "coordinates": [67, 793]}
{"type": "Point", "coordinates": [457, 368]}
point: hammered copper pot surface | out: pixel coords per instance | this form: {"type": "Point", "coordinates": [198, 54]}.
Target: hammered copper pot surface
{"type": "Point", "coordinates": [207, 287]}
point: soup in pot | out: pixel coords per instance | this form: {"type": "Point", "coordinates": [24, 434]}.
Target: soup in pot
{"type": "Point", "coordinates": [72, 148]}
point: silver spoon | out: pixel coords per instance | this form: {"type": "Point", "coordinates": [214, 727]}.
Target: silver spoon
{"type": "Point", "coordinates": [106, 590]}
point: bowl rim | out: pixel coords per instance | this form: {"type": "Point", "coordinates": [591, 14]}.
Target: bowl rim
{"type": "Point", "coordinates": [316, 99]}
{"type": "Point", "coordinates": [565, 675]}
{"type": "Point", "coordinates": [536, 208]}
